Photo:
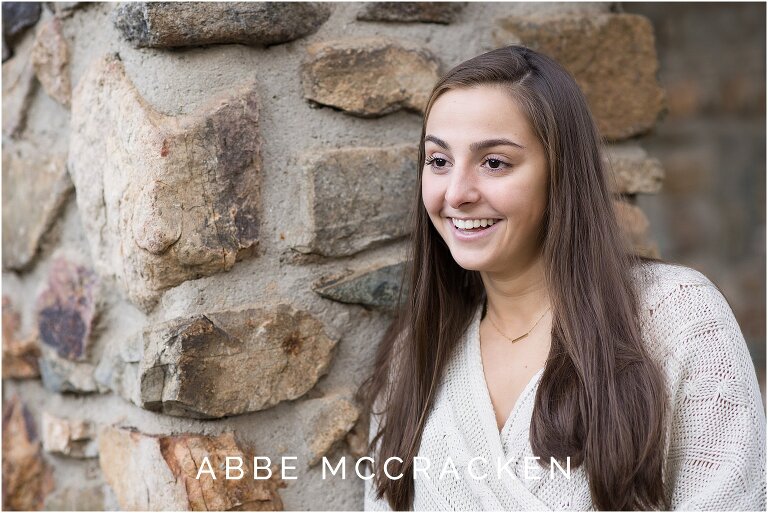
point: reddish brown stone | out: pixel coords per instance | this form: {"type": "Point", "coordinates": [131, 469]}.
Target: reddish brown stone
{"type": "Point", "coordinates": [173, 463]}
{"type": "Point", "coordinates": [67, 308]}
{"type": "Point", "coordinates": [369, 77]}
{"type": "Point", "coordinates": [27, 479]}
{"type": "Point", "coordinates": [611, 56]}
{"type": "Point", "coordinates": [19, 355]}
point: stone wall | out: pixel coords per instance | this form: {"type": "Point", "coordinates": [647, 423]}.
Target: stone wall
{"type": "Point", "coordinates": [204, 226]}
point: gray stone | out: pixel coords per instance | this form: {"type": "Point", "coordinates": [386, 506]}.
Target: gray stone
{"type": "Point", "coordinates": [6, 51]}
{"type": "Point", "coordinates": [632, 170]}
{"type": "Point", "coordinates": [611, 56]}
{"type": "Point", "coordinates": [200, 366]}
{"type": "Point", "coordinates": [66, 309]}
{"type": "Point", "coordinates": [31, 176]}
{"type": "Point", "coordinates": [174, 24]}
{"type": "Point", "coordinates": [426, 12]}
{"type": "Point", "coordinates": [18, 16]}
{"type": "Point", "coordinates": [163, 199]}
{"type": "Point", "coordinates": [369, 77]}
{"type": "Point", "coordinates": [63, 376]}
{"type": "Point", "coordinates": [66, 9]}
{"type": "Point", "coordinates": [354, 198]}
{"type": "Point", "coordinates": [377, 286]}
{"type": "Point", "coordinates": [19, 86]}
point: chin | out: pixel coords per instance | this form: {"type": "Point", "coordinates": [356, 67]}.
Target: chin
{"type": "Point", "coordinates": [470, 264]}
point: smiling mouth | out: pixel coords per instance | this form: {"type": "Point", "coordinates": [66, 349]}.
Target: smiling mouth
{"type": "Point", "coordinates": [475, 225]}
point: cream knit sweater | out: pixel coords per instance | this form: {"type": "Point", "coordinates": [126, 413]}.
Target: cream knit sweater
{"type": "Point", "coordinates": [715, 451]}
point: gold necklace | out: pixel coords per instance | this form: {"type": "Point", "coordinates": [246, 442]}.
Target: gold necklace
{"type": "Point", "coordinates": [524, 334]}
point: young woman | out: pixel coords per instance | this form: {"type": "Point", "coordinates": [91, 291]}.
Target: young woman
{"type": "Point", "coordinates": [537, 363]}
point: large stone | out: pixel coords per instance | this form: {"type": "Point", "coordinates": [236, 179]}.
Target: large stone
{"type": "Point", "coordinates": [66, 309]}
{"type": "Point", "coordinates": [31, 176]}
{"type": "Point", "coordinates": [19, 354]}
{"type": "Point", "coordinates": [353, 198]}
{"type": "Point", "coordinates": [632, 170]}
{"type": "Point", "coordinates": [376, 286]}
{"type": "Point", "coordinates": [163, 199]}
{"type": "Point", "coordinates": [27, 479]}
{"type": "Point", "coordinates": [426, 12]}
{"type": "Point", "coordinates": [611, 56]}
{"type": "Point", "coordinates": [221, 363]}
{"type": "Point", "coordinates": [369, 77]}
{"type": "Point", "coordinates": [158, 473]}
{"type": "Point", "coordinates": [50, 58]}
{"type": "Point", "coordinates": [69, 437]}
{"type": "Point", "coordinates": [329, 420]}
{"type": "Point", "coordinates": [19, 86]}
{"type": "Point", "coordinates": [173, 24]}
{"type": "Point", "coordinates": [636, 227]}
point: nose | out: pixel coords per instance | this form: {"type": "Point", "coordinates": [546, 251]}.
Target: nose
{"type": "Point", "coordinates": [461, 187]}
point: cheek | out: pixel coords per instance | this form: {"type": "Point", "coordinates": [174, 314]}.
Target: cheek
{"type": "Point", "coordinates": [431, 194]}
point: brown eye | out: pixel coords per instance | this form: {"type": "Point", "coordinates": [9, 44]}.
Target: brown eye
{"type": "Point", "coordinates": [438, 162]}
{"type": "Point", "coordinates": [497, 164]}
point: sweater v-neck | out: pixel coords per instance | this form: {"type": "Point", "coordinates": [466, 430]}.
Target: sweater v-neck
{"type": "Point", "coordinates": [487, 404]}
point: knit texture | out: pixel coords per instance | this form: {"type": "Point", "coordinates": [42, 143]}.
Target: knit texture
{"type": "Point", "coordinates": [715, 443]}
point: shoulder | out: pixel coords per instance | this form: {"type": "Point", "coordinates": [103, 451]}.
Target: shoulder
{"type": "Point", "coordinates": [685, 317]}
{"type": "Point", "coordinates": [657, 282]}
{"type": "Point", "coordinates": [677, 294]}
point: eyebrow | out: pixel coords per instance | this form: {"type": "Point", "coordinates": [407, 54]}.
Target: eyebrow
{"type": "Point", "coordinates": [475, 146]}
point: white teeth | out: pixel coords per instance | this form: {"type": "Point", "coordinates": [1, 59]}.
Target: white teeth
{"type": "Point", "coordinates": [472, 223]}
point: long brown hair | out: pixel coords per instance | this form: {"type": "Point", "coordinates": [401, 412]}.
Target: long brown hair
{"type": "Point", "coordinates": [601, 397]}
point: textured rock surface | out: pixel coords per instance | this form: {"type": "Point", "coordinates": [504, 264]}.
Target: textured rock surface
{"type": "Point", "coordinates": [330, 418]}
{"type": "Point", "coordinates": [354, 198]}
{"type": "Point", "coordinates": [19, 85]}
{"type": "Point", "coordinates": [376, 286]}
{"type": "Point", "coordinates": [31, 176]}
{"type": "Point", "coordinates": [18, 16]}
{"type": "Point", "coordinates": [50, 58]}
{"type": "Point", "coordinates": [163, 199]}
{"type": "Point", "coordinates": [174, 462]}
{"type": "Point", "coordinates": [428, 12]}
{"type": "Point", "coordinates": [19, 354]}
{"type": "Point", "coordinates": [221, 363]}
{"type": "Point", "coordinates": [62, 375]}
{"type": "Point", "coordinates": [633, 170]}
{"type": "Point", "coordinates": [76, 438]}
{"type": "Point", "coordinates": [27, 479]}
{"type": "Point", "coordinates": [369, 77]}
{"type": "Point", "coordinates": [67, 308]}
{"type": "Point", "coordinates": [172, 24]}
{"type": "Point", "coordinates": [611, 56]}
{"type": "Point", "coordinates": [636, 227]}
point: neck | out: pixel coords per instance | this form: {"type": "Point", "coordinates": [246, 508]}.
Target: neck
{"type": "Point", "coordinates": [517, 298]}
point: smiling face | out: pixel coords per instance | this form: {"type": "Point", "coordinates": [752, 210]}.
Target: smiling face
{"type": "Point", "coordinates": [484, 161]}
